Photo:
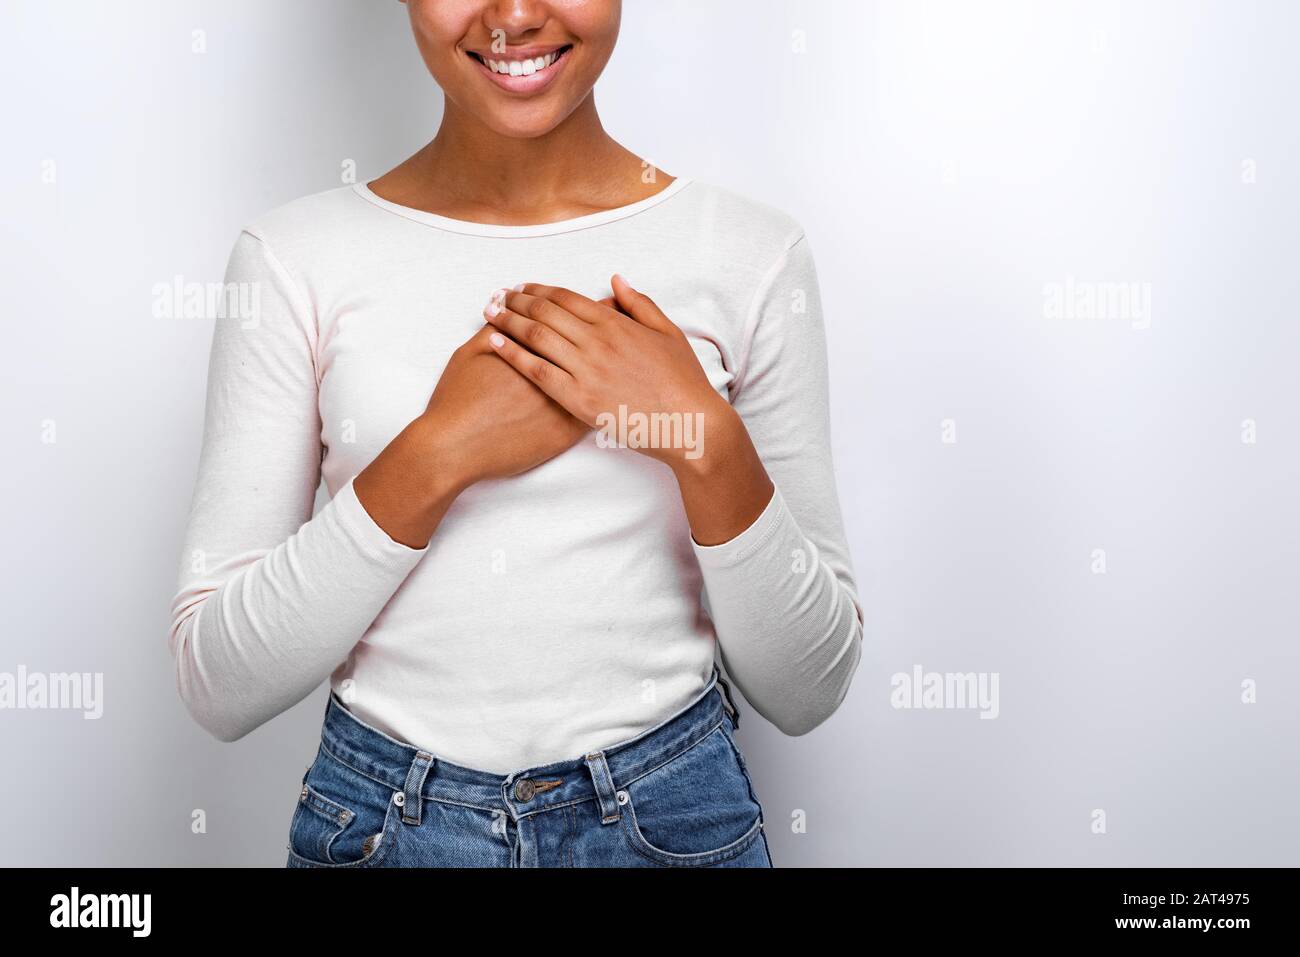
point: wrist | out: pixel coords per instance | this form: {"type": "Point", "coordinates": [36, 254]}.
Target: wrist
{"type": "Point", "coordinates": [720, 444]}
{"type": "Point", "coordinates": [406, 490]}
{"type": "Point", "coordinates": [443, 474]}
{"type": "Point", "coordinates": [726, 488]}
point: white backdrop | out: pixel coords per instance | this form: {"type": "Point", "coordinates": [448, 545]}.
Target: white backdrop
{"type": "Point", "coordinates": [1092, 498]}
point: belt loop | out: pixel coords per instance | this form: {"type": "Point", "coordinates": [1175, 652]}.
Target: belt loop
{"type": "Point", "coordinates": [600, 777]}
{"type": "Point", "coordinates": [413, 796]}
{"type": "Point", "coordinates": [729, 704]}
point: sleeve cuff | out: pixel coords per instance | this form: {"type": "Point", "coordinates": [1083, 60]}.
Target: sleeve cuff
{"type": "Point", "coordinates": [366, 534]}
{"type": "Point", "coordinates": [749, 541]}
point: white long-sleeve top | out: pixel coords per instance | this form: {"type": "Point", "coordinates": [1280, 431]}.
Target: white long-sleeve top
{"type": "Point", "coordinates": [553, 613]}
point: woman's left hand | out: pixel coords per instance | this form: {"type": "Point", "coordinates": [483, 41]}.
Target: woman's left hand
{"type": "Point", "coordinates": [611, 361]}
{"type": "Point", "coordinates": [615, 369]}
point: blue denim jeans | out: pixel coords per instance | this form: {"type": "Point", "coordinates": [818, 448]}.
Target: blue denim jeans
{"type": "Point", "coordinates": [677, 795]}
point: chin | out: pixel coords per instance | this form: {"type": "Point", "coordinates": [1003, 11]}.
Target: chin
{"type": "Point", "coordinates": [523, 124]}
{"type": "Point", "coordinates": [518, 117]}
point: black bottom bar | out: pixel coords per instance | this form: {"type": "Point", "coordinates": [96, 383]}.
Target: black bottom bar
{"type": "Point", "coordinates": [215, 905]}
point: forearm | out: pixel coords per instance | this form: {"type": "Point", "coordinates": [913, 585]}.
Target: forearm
{"type": "Point", "coordinates": [788, 628]}
{"type": "Point", "coordinates": [257, 633]}
{"type": "Point", "coordinates": [726, 487]}
{"type": "Point", "coordinates": [410, 485]}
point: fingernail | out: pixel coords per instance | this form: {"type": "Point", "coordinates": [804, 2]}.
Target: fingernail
{"type": "Point", "coordinates": [623, 279]}
{"type": "Point", "coordinates": [493, 308]}
{"type": "Point", "coordinates": [518, 288]}
{"type": "Point", "coordinates": [497, 340]}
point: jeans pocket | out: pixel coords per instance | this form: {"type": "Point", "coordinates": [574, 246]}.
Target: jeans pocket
{"type": "Point", "coordinates": [694, 811]}
{"type": "Point", "coordinates": [342, 818]}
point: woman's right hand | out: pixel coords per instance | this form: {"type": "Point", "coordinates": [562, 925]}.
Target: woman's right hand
{"type": "Point", "coordinates": [485, 425]}
{"type": "Point", "coordinates": [483, 421]}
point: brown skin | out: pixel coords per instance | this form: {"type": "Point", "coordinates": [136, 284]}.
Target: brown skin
{"type": "Point", "coordinates": [505, 158]}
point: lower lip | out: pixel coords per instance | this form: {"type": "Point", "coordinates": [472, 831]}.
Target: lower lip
{"type": "Point", "coordinates": [526, 85]}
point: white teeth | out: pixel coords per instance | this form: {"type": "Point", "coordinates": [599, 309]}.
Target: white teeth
{"type": "Point", "coordinates": [521, 67]}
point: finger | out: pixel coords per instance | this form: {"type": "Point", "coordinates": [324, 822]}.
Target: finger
{"type": "Point", "coordinates": [537, 337]}
{"type": "Point", "coordinates": [588, 310]}
{"type": "Point", "coordinates": [544, 311]}
{"type": "Point", "coordinates": [478, 344]}
{"type": "Point", "coordinates": [640, 306]}
{"type": "Point", "coordinates": [548, 377]}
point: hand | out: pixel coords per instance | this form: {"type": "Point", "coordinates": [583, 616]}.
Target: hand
{"type": "Point", "coordinates": [630, 374]}
{"type": "Point", "coordinates": [621, 361]}
{"type": "Point", "coordinates": [482, 421]}
{"type": "Point", "coordinates": [489, 423]}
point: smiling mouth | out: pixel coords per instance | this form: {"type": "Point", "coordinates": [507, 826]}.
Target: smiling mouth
{"type": "Point", "coordinates": [522, 67]}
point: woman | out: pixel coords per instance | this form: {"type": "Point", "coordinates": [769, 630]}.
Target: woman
{"type": "Point", "coordinates": [550, 491]}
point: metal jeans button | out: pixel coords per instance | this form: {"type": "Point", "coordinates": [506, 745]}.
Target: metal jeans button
{"type": "Point", "coordinates": [524, 789]}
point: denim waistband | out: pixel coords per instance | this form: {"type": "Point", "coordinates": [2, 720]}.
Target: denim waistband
{"type": "Point", "coordinates": [415, 775]}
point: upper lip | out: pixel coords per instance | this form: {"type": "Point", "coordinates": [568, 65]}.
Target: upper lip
{"type": "Point", "coordinates": [530, 52]}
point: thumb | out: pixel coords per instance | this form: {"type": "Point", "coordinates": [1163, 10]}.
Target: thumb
{"type": "Point", "coordinates": [639, 306]}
